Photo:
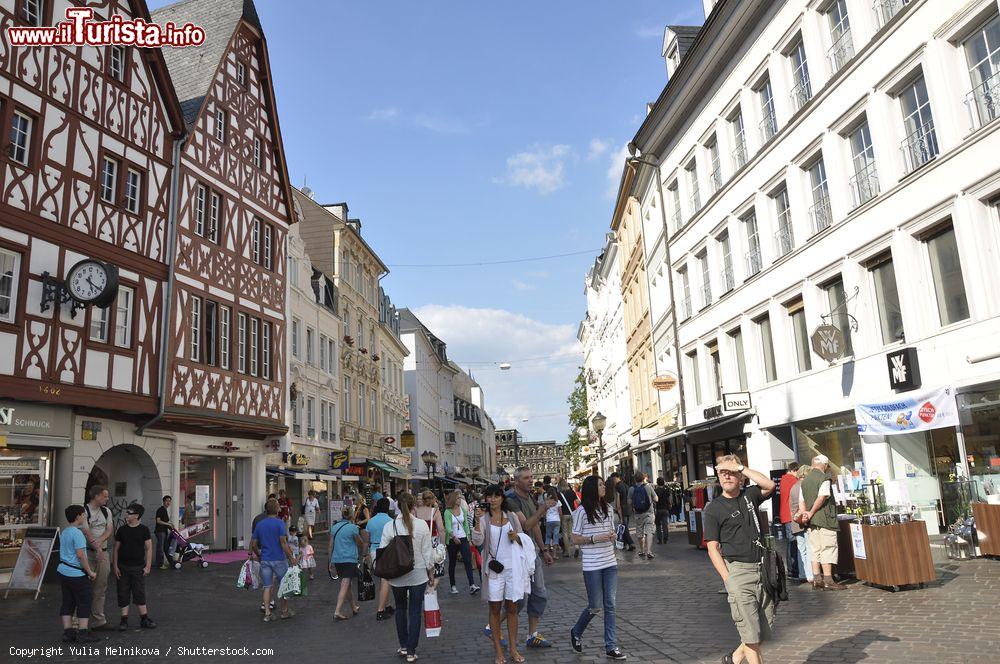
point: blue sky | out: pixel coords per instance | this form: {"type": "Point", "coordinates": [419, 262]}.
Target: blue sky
{"type": "Point", "coordinates": [466, 132]}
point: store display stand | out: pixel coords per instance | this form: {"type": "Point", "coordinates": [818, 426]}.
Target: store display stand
{"type": "Point", "coordinates": [988, 527]}
{"type": "Point", "coordinates": [894, 555]}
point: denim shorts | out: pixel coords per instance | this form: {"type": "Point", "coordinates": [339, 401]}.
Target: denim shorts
{"type": "Point", "coordinates": [271, 570]}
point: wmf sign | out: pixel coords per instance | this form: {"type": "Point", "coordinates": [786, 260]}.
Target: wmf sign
{"type": "Point", "coordinates": [904, 369]}
{"type": "Point", "coordinates": [829, 343]}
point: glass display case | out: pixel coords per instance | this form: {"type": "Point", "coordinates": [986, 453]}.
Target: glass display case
{"type": "Point", "coordinates": [24, 498]}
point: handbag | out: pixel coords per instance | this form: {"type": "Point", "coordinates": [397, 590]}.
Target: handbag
{"type": "Point", "coordinates": [439, 552]}
{"type": "Point", "coordinates": [396, 558]}
{"type": "Point", "coordinates": [772, 567]}
{"type": "Point", "coordinates": [366, 583]}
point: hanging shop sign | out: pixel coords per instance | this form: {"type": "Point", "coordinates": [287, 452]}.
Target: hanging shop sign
{"type": "Point", "coordinates": [904, 369]}
{"type": "Point", "coordinates": [355, 469]}
{"type": "Point", "coordinates": [340, 459]}
{"type": "Point", "coordinates": [664, 382]}
{"type": "Point", "coordinates": [918, 411]}
{"type": "Point", "coordinates": [736, 401]}
{"type": "Point", "coordinates": [295, 459]}
{"type": "Point", "coordinates": [407, 438]}
{"type": "Point", "coordinates": [828, 342]}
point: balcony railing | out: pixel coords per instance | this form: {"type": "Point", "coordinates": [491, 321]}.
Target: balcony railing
{"type": "Point", "coordinates": [784, 240]}
{"type": "Point", "coordinates": [801, 93]}
{"type": "Point", "coordinates": [740, 152]}
{"type": "Point", "coordinates": [841, 52]}
{"type": "Point", "coordinates": [715, 179]}
{"type": "Point", "coordinates": [728, 280]}
{"type": "Point", "coordinates": [920, 147]}
{"type": "Point", "coordinates": [754, 262]}
{"type": "Point", "coordinates": [820, 214]}
{"type": "Point", "coordinates": [886, 9]}
{"type": "Point", "coordinates": [864, 184]}
{"type": "Point", "coordinates": [984, 101]}
{"type": "Point", "coordinates": [706, 294]}
{"type": "Point", "coordinates": [768, 127]}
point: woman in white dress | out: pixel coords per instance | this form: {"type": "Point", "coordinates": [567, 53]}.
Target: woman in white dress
{"type": "Point", "coordinates": [311, 509]}
{"type": "Point", "coordinates": [497, 532]}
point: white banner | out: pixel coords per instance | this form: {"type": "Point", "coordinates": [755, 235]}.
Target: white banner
{"type": "Point", "coordinates": [910, 412]}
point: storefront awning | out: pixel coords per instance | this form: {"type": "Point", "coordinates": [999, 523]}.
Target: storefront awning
{"type": "Point", "coordinates": [720, 428]}
{"type": "Point", "coordinates": [400, 475]}
{"type": "Point", "coordinates": [273, 470]}
{"type": "Point", "coordinates": [383, 466]}
{"type": "Point", "coordinates": [456, 480]}
{"type": "Point", "coordinates": [304, 476]}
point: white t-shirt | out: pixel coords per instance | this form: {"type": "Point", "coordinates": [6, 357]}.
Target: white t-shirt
{"type": "Point", "coordinates": [600, 554]}
{"type": "Point", "coordinates": [311, 505]}
{"type": "Point", "coordinates": [458, 525]}
{"type": "Point", "coordinates": [552, 514]}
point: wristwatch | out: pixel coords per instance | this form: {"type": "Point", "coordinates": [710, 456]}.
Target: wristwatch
{"type": "Point", "coordinates": [742, 468]}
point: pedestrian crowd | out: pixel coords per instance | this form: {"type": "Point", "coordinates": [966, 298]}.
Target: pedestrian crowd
{"type": "Point", "coordinates": [396, 550]}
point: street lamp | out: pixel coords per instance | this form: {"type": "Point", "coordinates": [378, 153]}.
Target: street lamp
{"type": "Point", "coordinates": [430, 460]}
{"type": "Point", "coordinates": [599, 421]}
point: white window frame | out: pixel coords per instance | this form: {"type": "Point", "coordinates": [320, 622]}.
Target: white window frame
{"type": "Point", "coordinates": [124, 304]}
{"type": "Point", "coordinates": [201, 194]}
{"type": "Point", "coordinates": [20, 137]}
{"type": "Point", "coordinates": [296, 326]}
{"type": "Point", "coordinates": [133, 190]}
{"type": "Point", "coordinates": [214, 214]}
{"type": "Point", "coordinates": [220, 124]}
{"type": "Point", "coordinates": [310, 417]}
{"type": "Point", "coordinates": [265, 350]}
{"type": "Point", "coordinates": [256, 152]}
{"type": "Point", "coordinates": [225, 323]}
{"type": "Point", "coordinates": [241, 356]}
{"type": "Point", "coordinates": [310, 350]}
{"type": "Point", "coordinates": [241, 73]}
{"type": "Point", "coordinates": [10, 281]}
{"type": "Point", "coordinates": [268, 244]}
{"type": "Point", "coordinates": [255, 240]}
{"type": "Point", "coordinates": [109, 180]}
{"type": "Point", "coordinates": [33, 12]}
{"type": "Point", "coordinates": [117, 62]}
{"type": "Point", "coordinates": [195, 330]}
{"type": "Point", "coordinates": [254, 346]}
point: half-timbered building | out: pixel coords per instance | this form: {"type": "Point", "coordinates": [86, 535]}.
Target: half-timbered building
{"type": "Point", "coordinates": [225, 385]}
{"type": "Point", "coordinates": [85, 165]}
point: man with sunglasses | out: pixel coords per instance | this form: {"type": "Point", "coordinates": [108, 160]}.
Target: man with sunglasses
{"type": "Point", "coordinates": [732, 532]}
{"type": "Point", "coordinates": [133, 558]}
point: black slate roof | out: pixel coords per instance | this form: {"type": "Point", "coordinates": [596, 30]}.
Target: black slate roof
{"type": "Point", "coordinates": [193, 68]}
{"type": "Point", "coordinates": [686, 34]}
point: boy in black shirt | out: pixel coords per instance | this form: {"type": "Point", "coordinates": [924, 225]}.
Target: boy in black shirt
{"type": "Point", "coordinates": [732, 537]}
{"type": "Point", "coordinates": [133, 559]}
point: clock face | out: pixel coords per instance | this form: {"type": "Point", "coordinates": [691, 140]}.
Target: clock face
{"type": "Point", "coordinates": [87, 280]}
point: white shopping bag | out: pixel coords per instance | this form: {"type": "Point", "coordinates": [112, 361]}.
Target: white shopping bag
{"type": "Point", "coordinates": [432, 614]}
{"type": "Point", "coordinates": [291, 582]}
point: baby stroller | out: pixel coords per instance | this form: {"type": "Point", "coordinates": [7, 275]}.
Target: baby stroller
{"type": "Point", "coordinates": [186, 550]}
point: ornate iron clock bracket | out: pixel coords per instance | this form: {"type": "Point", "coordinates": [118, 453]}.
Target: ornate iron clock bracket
{"type": "Point", "coordinates": [54, 291]}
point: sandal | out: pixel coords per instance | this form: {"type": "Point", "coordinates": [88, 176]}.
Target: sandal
{"type": "Point", "coordinates": [401, 652]}
{"type": "Point", "coordinates": [339, 617]}
{"type": "Point", "coordinates": [356, 611]}
{"type": "Point", "coordinates": [517, 658]}
{"type": "Point", "coordinates": [500, 660]}
{"type": "Point", "coordinates": [412, 657]}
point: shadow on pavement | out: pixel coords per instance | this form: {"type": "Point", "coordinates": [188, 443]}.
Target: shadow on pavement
{"type": "Point", "coordinates": [850, 649]}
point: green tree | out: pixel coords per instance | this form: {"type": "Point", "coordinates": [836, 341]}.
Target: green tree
{"type": "Point", "coordinates": [577, 418]}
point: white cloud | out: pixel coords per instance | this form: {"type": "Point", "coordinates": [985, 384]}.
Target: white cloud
{"type": "Point", "coordinates": [517, 284]}
{"type": "Point", "coordinates": [383, 114]}
{"type": "Point", "coordinates": [440, 125]}
{"type": "Point", "coordinates": [648, 31]}
{"type": "Point", "coordinates": [541, 168]}
{"type": "Point", "coordinates": [615, 166]}
{"type": "Point", "coordinates": [532, 387]}
{"type": "Point", "coordinates": [597, 148]}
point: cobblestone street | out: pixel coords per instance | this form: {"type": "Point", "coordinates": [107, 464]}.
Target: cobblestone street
{"type": "Point", "coordinates": [668, 611]}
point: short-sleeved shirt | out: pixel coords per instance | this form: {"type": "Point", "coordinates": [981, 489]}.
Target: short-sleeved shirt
{"type": "Point", "coordinates": [163, 515]}
{"type": "Point", "coordinates": [97, 522]}
{"type": "Point", "coordinates": [269, 533]}
{"type": "Point", "coordinates": [132, 548]}
{"type": "Point", "coordinates": [622, 492]}
{"type": "Point", "coordinates": [70, 540]}
{"type": "Point", "coordinates": [345, 549]}
{"type": "Point", "coordinates": [525, 506]}
{"type": "Point", "coordinates": [374, 528]}
{"type": "Point", "coordinates": [728, 522]}
{"type": "Point", "coordinates": [601, 554]}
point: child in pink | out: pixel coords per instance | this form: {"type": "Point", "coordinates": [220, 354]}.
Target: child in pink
{"type": "Point", "coordinates": [308, 556]}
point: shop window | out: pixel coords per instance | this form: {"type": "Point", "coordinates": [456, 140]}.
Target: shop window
{"type": "Point", "coordinates": [980, 413]}
{"type": "Point", "coordinates": [946, 268]}
{"type": "Point", "coordinates": [887, 298]}
{"type": "Point", "coordinates": [836, 437]}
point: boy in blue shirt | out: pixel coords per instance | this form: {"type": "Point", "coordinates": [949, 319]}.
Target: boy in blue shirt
{"type": "Point", "coordinates": [75, 577]}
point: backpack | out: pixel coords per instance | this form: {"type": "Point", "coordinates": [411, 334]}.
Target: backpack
{"type": "Point", "coordinates": [107, 515]}
{"type": "Point", "coordinates": [396, 558]}
{"type": "Point", "coordinates": [640, 499]}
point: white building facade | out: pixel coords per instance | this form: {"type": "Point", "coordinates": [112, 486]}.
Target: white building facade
{"type": "Point", "coordinates": [827, 163]}
{"type": "Point", "coordinates": [602, 334]}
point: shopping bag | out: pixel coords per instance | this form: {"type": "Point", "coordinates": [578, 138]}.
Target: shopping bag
{"type": "Point", "coordinates": [254, 574]}
{"type": "Point", "coordinates": [291, 583]}
{"type": "Point", "coordinates": [432, 614]}
{"type": "Point", "coordinates": [620, 536]}
{"type": "Point", "coordinates": [366, 583]}
{"type": "Point", "coordinates": [245, 578]}
{"type": "Point", "coordinates": [477, 559]}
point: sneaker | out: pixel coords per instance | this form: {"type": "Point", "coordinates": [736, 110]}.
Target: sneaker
{"type": "Point", "coordinates": [270, 617]}
{"type": "Point", "coordinates": [287, 613]}
{"type": "Point", "coordinates": [147, 623]}
{"type": "Point", "coordinates": [488, 633]}
{"type": "Point", "coordinates": [576, 641]}
{"type": "Point", "coordinates": [536, 640]}
{"type": "Point", "coordinates": [454, 590]}
{"type": "Point", "coordinates": [380, 616]}
{"type": "Point", "coordinates": [86, 636]}
{"type": "Point", "coordinates": [123, 625]}
{"type": "Point", "coordinates": [642, 554]}
{"type": "Point", "coordinates": [473, 589]}
{"type": "Point", "coordinates": [616, 654]}
{"type": "Point", "coordinates": [650, 555]}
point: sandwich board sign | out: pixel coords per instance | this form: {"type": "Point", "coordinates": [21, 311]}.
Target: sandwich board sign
{"type": "Point", "coordinates": [32, 560]}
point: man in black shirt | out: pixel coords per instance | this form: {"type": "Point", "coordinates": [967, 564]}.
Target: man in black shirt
{"type": "Point", "coordinates": [164, 540]}
{"type": "Point", "coordinates": [732, 533]}
{"type": "Point", "coordinates": [133, 559]}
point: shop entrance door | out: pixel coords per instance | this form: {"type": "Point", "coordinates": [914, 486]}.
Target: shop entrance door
{"type": "Point", "coordinates": [205, 487]}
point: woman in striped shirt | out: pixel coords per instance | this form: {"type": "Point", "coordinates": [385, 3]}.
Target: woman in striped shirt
{"type": "Point", "coordinates": [594, 532]}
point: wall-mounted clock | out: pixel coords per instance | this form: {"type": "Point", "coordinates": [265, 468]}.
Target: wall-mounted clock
{"type": "Point", "coordinates": [92, 282]}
